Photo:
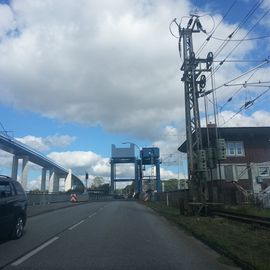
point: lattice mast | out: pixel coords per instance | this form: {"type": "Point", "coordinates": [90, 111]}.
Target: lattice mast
{"type": "Point", "coordinates": [194, 87]}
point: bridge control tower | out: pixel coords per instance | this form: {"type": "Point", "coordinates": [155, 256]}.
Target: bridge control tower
{"type": "Point", "coordinates": [148, 156]}
{"type": "Point", "coordinates": [120, 156]}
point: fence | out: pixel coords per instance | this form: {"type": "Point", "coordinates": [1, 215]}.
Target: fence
{"type": "Point", "coordinates": [266, 200]}
{"type": "Point", "coordinates": [173, 198]}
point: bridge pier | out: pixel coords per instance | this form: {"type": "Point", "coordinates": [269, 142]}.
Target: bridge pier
{"type": "Point", "coordinates": [51, 179]}
{"type": "Point", "coordinates": [137, 180]}
{"type": "Point", "coordinates": [68, 181]}
{"type": "Point", "coordinates": [43, 179]}
{"type": "Point", "coordinates": [112, 176]}
{"type": "Point", "coordinates": [54, 182]}
{"type": "Point", "coordinates": [24, 174]}
{"type": "Point", "coordinates": [158, 182]}
{"type": "Point", "coordinates": [15, 164]}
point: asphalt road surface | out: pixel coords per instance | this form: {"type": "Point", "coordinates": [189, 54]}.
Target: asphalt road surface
{"type": "Point", "coordinates": [106, 235]}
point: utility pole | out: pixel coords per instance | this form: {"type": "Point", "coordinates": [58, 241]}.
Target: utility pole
{"type": "Point", "coordinates": [192, 68]}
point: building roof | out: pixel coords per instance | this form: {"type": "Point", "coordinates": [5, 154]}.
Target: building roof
{"type": "Point", "coordinates": [227, 132]}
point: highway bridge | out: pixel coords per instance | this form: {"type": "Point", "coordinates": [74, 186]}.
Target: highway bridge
{"type": "Point", "coordinates": [28, 154]}
{"type": "Point", "coordinates": [105, 235]}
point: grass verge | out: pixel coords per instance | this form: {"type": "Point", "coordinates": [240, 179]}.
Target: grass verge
{"type": "Point", "coordinates": [246, 245]}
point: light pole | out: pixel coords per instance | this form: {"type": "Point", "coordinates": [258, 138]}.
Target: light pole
{"type": "Point", "coordinates": [140, 172]}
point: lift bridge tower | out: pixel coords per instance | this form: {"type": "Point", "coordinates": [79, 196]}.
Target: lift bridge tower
{"type": "Point", "coordinates": [194, 82]}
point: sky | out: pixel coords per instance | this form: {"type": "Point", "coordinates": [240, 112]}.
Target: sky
{"type": "Point", "coordinates": [78, 76]}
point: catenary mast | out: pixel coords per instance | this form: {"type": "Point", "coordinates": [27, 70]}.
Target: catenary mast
{"type": "Point", "coordinates": [194, 82]}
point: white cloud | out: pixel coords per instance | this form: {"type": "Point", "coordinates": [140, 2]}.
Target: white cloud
{"type": "Point", "coordinates": [96, 165]}
{"type": "Point", "coordinates": [33, 184]}
{"type": "Point", "coordinates": [45, 144]}
{"type": "Point", "coordinates": [167, 174]}
{"type": "Point", "coordinates": [81, 161]}
{"type": "Point", "coordinates": [258, 118]}
{"type": "Point", "coordinates": [7, 22]}
{"type": "Point", "coordinates": [5, 158]}
{"type": "Point", "coordinates": [99, 62]}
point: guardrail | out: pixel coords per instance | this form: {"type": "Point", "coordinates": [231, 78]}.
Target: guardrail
{"type": "Point", "coordinates": [47, 198]}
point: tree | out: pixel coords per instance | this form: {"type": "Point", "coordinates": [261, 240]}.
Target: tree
{"type": "Point", "coordinates": [97, 182]}
{"type": "Point", "coordinates": [171, 184]}
{"type": "Point", "coordinates": [129, 189]}
{"type": "Point", "coordinates": [105, 188]}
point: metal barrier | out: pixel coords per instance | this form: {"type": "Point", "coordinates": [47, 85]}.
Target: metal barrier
{"type": "Point", "coordinates": [47, 198]}
{"type": "Point", "coordinates": [173, 198]}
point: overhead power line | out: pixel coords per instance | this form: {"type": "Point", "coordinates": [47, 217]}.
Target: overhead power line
{"type": "Point", "coordinates": [246, 105]}
{"type": "Point", "coordinates": [245, 84]}
{"type": "Point", "coordinates": [241, 61]}
{"type": "Point", "coordinates": [266, 61]}
{"type": "Point", "coordinates": [238, 44]}
{"type": "Point", "coordinates": [244, 20]}
{"type": "Point", "coordinates": [237, 91]}
{"type": "Point", "coordinates": [236, 40]}
{"type": "Point", "coordinates": [208, 38]}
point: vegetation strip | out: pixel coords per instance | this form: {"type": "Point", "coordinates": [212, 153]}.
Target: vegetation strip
{"type": "Point", "coordinates": [245, 244]}
{"type": "Point", "coordinates": [264, 222]}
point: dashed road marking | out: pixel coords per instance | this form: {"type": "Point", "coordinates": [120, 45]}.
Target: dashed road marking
{"type": "Point", "coordinates": [92, 215]}
{"type": "Point", "coordinates": [49, 242]}
{"type": "Point", "coordinates": [35, 251]}
{"type": "Point", "coordinates": [75, 225]}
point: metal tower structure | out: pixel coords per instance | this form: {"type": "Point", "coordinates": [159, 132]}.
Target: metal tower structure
{"type": "Point", "coordinates": [121, 156]}
{"type": "Point", "coordinates": [150, 156]}
{"type": "Point", "coordinates": [194, 86]}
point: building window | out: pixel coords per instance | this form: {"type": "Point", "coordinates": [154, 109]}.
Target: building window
{"type": "Point", "coordinates": [242, 171]}
{"type": "Point", "coordinates": [263, 171]}
{"type": "Point", "coordinates": [235, 149]}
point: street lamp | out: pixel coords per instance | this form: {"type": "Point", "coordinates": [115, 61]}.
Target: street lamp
{"type": "Point", "coordinates": [140, 172]}
{"type": "Point", "coordinates": [131, 143]}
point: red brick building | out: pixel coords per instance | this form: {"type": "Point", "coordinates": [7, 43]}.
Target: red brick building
{"type": "Point", "coordinates": [246, 169]}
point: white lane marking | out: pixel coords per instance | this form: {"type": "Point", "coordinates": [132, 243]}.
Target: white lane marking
{"type": "Point", "coordinates": [92, 215]}
{"type": "Point", "coordinates": [75, 225]}
{"type": "Point", "coordinates": [35, 251]}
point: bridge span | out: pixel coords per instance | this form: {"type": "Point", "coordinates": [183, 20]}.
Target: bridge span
{"type": "Point", "coordinates": [27, 154]}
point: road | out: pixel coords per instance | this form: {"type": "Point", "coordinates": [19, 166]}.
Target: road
{"type": "Point", "coordinates": [106, 235]}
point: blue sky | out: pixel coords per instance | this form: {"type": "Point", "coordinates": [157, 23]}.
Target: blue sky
{"type": "Point", "coordinates": [81, 75]}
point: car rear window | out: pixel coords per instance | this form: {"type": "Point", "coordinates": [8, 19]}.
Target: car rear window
{"type": "Point", "coordinates": [18, 188]}
{"type": "Point", "coordinates": [5, 189]}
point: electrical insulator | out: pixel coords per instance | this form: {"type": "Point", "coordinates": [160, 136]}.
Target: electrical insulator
{"type": "Point", "coordinates": [209, 60]}
{"type": "Point", "coordinates": [202, 166]}
{"type": "Point", "coordinates": [211, 157]}
{"type": "Point", "coordinates": [221, 149]}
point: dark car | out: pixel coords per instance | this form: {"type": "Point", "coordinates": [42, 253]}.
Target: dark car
{"type": "Point", "coordinates": [13, 206]}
